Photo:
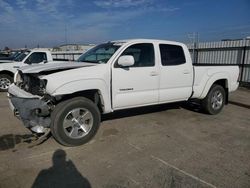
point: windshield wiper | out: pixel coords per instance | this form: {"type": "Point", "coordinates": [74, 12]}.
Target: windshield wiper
{"type": "Point", "coordinates": [88, 61]}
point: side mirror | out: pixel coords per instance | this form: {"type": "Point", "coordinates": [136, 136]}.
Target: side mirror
{"type": "Point", "coordinates": [126, 61]}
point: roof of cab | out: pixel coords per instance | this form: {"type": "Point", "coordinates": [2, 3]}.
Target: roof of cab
{"type": "Point", "coordinates": [147, 40]}
{"type": "Point", "coordinates": [40, 50]}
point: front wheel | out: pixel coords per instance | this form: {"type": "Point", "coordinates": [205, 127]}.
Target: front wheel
{"type": "Point", "coordinates": [75, 121]}
{"type": "Point", "coordinates": [215, 100]}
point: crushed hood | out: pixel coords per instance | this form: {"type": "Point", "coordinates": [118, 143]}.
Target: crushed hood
{"type": "Point", "coordinates": [54, 66]}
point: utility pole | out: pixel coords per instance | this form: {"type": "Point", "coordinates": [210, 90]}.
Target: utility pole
{"type": "Point", "coordinates": [66, 38]}
{"type": "Point", "coordinates": [194, 39]}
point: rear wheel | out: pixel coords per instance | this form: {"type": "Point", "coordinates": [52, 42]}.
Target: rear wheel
{"type": "Point", "coordinates": [75, 121]}
{"type": "Point", "coordinates": [5, 81]}
{"type": "Point", "coordinates": [215, 100]}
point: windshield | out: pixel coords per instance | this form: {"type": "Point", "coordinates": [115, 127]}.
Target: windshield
{"type": "Point", "coordinates": [99, 54]}
{"type": "Point", "coordinates": [16, 54]}
{"type": "Point", "coordinates": [13, 54]}
{"type": "Point", "coordinates": [21, 56]}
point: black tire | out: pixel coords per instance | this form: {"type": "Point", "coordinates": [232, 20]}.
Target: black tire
{"type": "Point", "coordinates": [4, 78]}
{"type": "Point", "coordinates": [61, 112]}
{"type": "Point", "coordinates": [209, 105]}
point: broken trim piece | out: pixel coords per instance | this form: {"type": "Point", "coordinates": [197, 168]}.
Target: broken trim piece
{"type": "Point", "coordinates": [16, 91]}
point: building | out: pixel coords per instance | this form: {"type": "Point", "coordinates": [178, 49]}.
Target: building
{"type": "Point", "coordinates": [73, 47]}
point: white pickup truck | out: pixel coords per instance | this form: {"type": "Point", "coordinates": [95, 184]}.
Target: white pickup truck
{"type": "Point", "coordinates": [28, 57]}
{"type": "Point", "coordinates": [68, 99]}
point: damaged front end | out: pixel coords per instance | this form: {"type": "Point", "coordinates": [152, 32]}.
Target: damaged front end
{"type": "Point", "coordinates": [29, 102]}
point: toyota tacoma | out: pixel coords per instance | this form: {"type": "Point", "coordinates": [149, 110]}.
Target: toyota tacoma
{"type": "Point", "coordinates": [69, 98]}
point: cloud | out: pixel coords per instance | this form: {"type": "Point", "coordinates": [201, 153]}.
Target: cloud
{"type": "Point", "coordinates": [21, 3]}
{"type": "Point", "coordinates": [121, 3]}
{"type": "Point", "coordinates": [6, 13]}
{"type": "Point", "coordinates": [96, 26]}
{"type": "Point", "coordinates": [145, 5]}
{"type": "Point", "coordinates": [50, 7]}
{"type": "Point", "coordinates": [6, 6]}
{"type": "Point", "coordinates": [162, 9]}
{"type": "Point", "coordinates": [45, 20]}
{"type": "Point", "coordinates": [108, 17]}
{"type": "Point", "coordinates": [56, 9]}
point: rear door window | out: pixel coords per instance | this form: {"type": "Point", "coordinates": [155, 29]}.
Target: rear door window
{"type": "Point", "coordinates": [172, 55]}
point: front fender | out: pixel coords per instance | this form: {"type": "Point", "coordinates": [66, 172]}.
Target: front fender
{"type": "Point", "coordinates": [83, 85]}
{"type": "Point", "coordinates": [9, 67]}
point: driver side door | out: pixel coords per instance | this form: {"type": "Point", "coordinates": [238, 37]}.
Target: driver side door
{"type": "Point", "coordinates": [136, 85]}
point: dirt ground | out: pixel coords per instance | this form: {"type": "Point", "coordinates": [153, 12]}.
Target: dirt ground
{"type": "Point", "coordinates": [161, 146]}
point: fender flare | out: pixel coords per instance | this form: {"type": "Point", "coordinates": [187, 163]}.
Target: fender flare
{"type": "Point", "coordinates": [7, 72]}
{"type": "Point", "coordinates": [215, 77]}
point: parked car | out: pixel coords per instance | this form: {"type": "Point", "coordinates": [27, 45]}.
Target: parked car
{"type": "Point", "coordinates": [3, 55]}
{"type": "Point", "coordinates": [29, 57]}
{"type": "Point", "coordinates": [11, 57]}
{"type": "Point", "coordinates": [69, 99]}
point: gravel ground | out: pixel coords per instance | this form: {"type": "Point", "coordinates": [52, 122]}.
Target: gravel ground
{"type": "Point", "coordinates": [159, 146]}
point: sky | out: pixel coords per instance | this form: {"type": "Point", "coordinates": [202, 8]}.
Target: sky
{"type": "Point", "coordinates": [49, 23]}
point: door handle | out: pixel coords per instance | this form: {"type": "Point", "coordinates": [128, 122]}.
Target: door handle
{"type": "Point", "coordinates": [154, 73]}
{"type": "Point", "coordinates": [186, 71]}
{"type": "Point", "coordinates": [16, 67]}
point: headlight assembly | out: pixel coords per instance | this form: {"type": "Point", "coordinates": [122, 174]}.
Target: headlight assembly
{"type": "Point", "coordinates": [18, 78]}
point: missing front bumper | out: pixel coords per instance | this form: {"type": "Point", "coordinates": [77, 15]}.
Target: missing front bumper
{"type": "Point", "coordinates": [31, 109]}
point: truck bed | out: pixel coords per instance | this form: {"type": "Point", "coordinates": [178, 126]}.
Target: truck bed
{"type": "Point", "coordinates": [205, 75]}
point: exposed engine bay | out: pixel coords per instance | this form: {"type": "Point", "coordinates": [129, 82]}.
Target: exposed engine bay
{"type": "Point", "coordinates": [31, 83]}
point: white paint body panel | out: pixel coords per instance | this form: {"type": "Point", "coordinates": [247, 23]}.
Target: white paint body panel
{"type": "Point", "coordinates": [96, 77]}
{"type": "Point", "coordinates": [134, 86]}
{"type": "Point", "coordinates": [176, 80]}
{"type": "Point", "coordinates": [205, 76]}
{"type": "Point", "coordinates": [122, 88]}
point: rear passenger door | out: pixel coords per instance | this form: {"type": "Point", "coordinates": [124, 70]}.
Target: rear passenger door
{"type": "Point", "coordinates": [175, 74]}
